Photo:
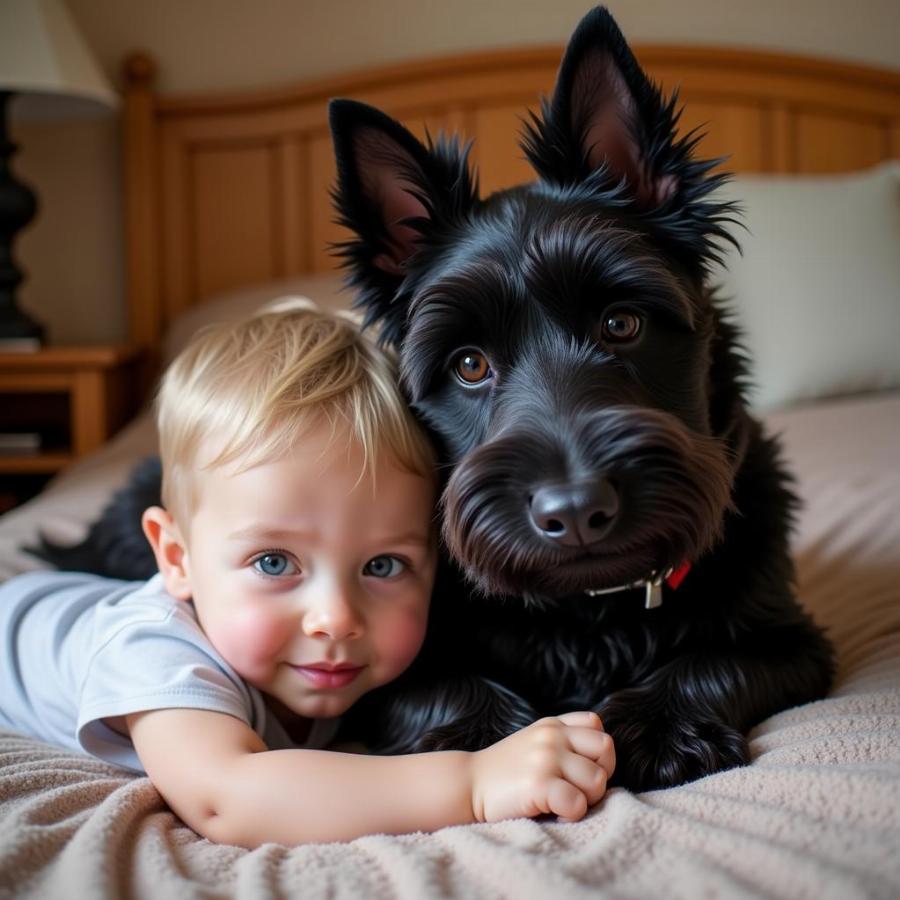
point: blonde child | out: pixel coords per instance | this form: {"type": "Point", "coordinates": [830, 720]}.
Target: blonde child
{"type": "Point", "coordinates": [296, 556]}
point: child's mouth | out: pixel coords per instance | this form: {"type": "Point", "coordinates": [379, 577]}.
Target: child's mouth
{"type": "Point", "coordinates": [328, 675]}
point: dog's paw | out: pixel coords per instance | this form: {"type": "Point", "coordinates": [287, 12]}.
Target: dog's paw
{"type": "Point", "coordinates": [656, 749]}
{"type": "Point", "coordinates": [448, 713]}
{"type": "Point", "coordinates": [497, 714]}
{"type": "Point", "coordinates": [467, 734]}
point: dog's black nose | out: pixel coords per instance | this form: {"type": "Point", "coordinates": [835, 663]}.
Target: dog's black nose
{"type": "Point", "coordinates": [575, 514]}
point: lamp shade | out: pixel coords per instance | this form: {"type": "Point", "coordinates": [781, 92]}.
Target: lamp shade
{"type": "Point", "coordinates": [44, 60]}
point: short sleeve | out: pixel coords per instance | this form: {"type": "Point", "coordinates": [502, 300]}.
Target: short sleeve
{"type": "Point", "coordinates": [157, 659]}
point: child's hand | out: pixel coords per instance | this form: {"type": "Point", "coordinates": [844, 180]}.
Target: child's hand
{"type": "Point", "coordinates": [556, 765]}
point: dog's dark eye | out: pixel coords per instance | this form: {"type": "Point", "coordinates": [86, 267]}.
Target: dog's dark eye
{"type": "Point", "coordinates": [621, 326]}
{"type": "Point", "coordinates": [472, 367]}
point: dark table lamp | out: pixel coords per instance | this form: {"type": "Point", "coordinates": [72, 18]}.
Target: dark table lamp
{"type": "Point", "coordinates": [45, 62]}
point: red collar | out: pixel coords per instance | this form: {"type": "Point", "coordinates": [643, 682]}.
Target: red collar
{"type": "Point", "coordinates": [676, 576]}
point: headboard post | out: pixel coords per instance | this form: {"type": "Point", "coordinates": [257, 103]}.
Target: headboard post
{"type": "Point", "coordinates": [141, 209]}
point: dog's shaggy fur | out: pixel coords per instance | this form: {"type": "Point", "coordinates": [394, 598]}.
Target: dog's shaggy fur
{"type": "Point", "coordinates": [585, 391]}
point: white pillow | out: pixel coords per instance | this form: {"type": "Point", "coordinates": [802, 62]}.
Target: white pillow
{"type": "Point", "coordinates": [324, 288]}
{"type": "Point", "coordinates": [817, 291]}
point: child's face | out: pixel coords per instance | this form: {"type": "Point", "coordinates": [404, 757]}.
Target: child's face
{"type": "Point", "coordinates": [311, 581]}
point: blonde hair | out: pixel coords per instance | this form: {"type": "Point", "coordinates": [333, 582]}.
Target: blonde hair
{"type": "Point", "coordinates": [252, 388]}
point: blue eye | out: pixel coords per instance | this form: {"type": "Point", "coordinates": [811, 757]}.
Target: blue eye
{"type": "Point", "coordinates": [384, 567]}
{"type": "Point", "coordinates": [274, 564]}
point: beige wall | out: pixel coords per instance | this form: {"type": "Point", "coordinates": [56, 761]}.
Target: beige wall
{"type": "Point", "coordinates": [73, 251]}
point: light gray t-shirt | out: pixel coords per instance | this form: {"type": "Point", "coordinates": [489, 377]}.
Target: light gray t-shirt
{"type": "Point", "coordinates": [77, 649]}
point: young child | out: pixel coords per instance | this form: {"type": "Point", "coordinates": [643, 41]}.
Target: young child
{"type": "Point", "coordinates": [296, 555]}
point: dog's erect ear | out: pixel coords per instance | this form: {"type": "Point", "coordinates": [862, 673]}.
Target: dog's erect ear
{"type": "Point", "coordinates": [604, 112]}
{"type": "Point", "coordinates": [607, 124]}
{"type": "Point", "coordinates": [396, 195]}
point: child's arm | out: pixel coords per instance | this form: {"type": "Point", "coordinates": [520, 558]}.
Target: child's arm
{"type": "Point", "coordinates": [217, 775]}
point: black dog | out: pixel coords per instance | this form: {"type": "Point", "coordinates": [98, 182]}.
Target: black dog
{"type": "Point", "coordinates": [561, 344]}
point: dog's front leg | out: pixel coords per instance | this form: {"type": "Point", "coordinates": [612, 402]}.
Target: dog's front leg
{"type": "Point", "coordinates": [476, 713]}
{"type": "Point", "coordinates": [444, 712]}
{"type": "Point", "coordinates": [689, 717]}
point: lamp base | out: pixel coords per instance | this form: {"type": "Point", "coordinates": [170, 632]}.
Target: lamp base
{"type": "Point", "coordinates": [17, 208]}
{"type": "Point", "coordinates": [17, 327]}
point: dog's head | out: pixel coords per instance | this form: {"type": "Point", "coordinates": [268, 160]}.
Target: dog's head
{"type": "Point", "coordinates": [556, 337]}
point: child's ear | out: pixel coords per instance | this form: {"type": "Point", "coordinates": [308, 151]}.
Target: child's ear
{"type": "Point", "coordinates": [169, 550]}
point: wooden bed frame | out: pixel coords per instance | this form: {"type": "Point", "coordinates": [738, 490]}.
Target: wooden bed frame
{"type": "Point", "coordinates": [232, 189]}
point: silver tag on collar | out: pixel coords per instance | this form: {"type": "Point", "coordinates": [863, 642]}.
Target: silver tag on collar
{"type": "Point", "coordinates": [653, 592]}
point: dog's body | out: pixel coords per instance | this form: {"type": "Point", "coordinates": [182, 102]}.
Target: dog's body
{"type": "Point", "coordinates": [586, 392]}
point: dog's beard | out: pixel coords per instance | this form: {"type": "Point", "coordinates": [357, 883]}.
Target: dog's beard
{"type": "Point", "coordinates": [674, 488]}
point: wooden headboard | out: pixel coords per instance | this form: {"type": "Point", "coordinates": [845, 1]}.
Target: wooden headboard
{"type": "Point", "coordinates": [228, 190]}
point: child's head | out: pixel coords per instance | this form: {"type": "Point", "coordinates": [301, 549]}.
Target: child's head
{"type": "Point", "coordinates": [245, 392]}
{"type": "Point", "coordinates": [299, 497]}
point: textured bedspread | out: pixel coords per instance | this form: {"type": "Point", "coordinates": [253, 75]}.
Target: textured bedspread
{"type": "Point", "coordinates": [817, 813]}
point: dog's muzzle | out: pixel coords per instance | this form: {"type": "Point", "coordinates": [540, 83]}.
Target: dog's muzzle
{"type": "Point", "coordinates": [611, 499]}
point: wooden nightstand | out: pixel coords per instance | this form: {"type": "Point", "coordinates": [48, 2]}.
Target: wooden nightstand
{"type": "Point", "coordinates": [69, 400]}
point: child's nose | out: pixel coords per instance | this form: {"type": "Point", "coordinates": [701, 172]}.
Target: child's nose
{"type": "Point", "coordinates": [333, 614]}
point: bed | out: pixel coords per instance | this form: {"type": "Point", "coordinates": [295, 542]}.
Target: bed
{"type": "Point", "coordinates": [227, 206]}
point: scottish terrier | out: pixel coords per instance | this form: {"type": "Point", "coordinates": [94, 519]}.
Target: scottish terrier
{"type": "Point", "coordinates": [616, 522]}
